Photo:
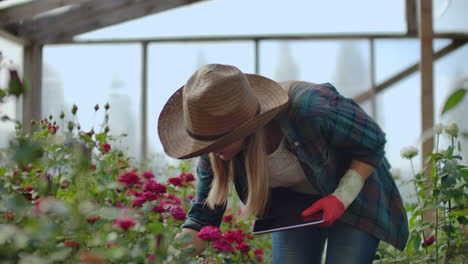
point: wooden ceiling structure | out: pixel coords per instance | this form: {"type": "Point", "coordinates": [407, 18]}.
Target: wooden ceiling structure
{"type": "Point", "coordinates": [37, 23]}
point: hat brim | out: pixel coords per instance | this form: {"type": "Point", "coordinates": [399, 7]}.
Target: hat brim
{"type": "Point", "coordinates": [178, 144]}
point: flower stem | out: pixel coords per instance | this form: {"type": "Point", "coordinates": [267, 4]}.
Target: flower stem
{"type": "Point", "coordinates": [419, 202]}
{"type": "Point", "coordinates": [437, 204]}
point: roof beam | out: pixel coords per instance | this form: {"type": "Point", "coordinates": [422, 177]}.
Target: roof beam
{"type": "Point", "coordinates": [28, 10]}
{"type": "Point", "coordinates": [93, 16]}
{"type": "Point", "coordinates": [409, 70]}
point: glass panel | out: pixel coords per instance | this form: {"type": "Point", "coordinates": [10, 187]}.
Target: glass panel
{"type": "Point", "coordinates": [87, 75]}
{"type": "Point", "coordinates": [450, 16]}
{"type": "Point", "coordinates": [393, 55]}
{"type": "Point", "coordinates": [241, 17]}
{"type": "Point", "coordinates": [12, 57]}
{"type": "Point", "coordinates": [399, 115]}
{"type": "Point", "coordinates": [170, 65]}
{"type": "Point", "coordinates": [451, 73]}
{"type": "Point", "coordinates": [343, 63]}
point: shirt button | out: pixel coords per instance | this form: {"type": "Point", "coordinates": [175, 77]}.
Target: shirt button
{"type": "Point", "coordinates": [297, 144]}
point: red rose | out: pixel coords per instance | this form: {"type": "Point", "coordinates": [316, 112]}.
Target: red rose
{"type": "Point", "coordinates": [209, 233]}
{"type": "Point", "coordinates": [125, 222]}
{"type": "Point", "coordinates": [243, 247]}
{"type": "Point", "coordinates": [429, 241]}
{"type": "Point", "coordinates": [72, 244]}
{"type": "Point", "coordinates": [105, 147]}
{"type": "Point", "coordinates": [92, 219]}
{"type": "Point", "coordinates": [234, 236]}
{"type": "Point", "coordinates": [138, 202]}
{"type": "Point", "coordinates": [150, 196]}
{"type": "Point", "coordinates": [176, 181]}
{"type": "Point", "coordinates": [221, 245]}
{"type": "Point", "coordinates": [147, 175]}
{"type": "Point", "coordinates": [158, 209]}
{"type": "Point", "coordinates": [177, 212]}
{"type": "Point", "coordinates": [228, 218]}
{"type": "Point", "coordinates": [188, 177]}
{"type": "Point", "coordinates": [129, 179]}
{"type": "Point", "coordinates": [152, 186]}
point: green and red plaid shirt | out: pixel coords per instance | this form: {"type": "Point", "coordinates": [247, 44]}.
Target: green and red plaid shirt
{"type": "Point", "coordinates": [326, 130]}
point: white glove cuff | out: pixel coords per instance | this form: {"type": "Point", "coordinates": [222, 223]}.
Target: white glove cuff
{"type": "Point", "coordinates": [349, 187]}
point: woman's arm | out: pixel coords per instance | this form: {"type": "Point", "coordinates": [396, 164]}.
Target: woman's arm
{"type": "Point", "coordinates": [363, 169]}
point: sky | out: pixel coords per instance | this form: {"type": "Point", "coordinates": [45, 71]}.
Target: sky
{"type": "Point", "coordinates": [92, 74]}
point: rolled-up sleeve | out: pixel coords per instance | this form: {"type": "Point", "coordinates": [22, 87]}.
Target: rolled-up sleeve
{"type": "Point", "coordinates": [200, 214]}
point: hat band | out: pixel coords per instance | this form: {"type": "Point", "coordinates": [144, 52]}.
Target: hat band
{"type": "Point", "coordinates": [214, 137]}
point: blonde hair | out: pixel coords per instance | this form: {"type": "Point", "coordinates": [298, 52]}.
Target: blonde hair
{"type": "Point", "coordinates": [256, 167]}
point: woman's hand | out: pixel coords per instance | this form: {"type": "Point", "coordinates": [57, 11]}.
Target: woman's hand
{"type": "Point", "coordinates": [330, 207]}
{"type": "Point", "coordinates": [190, 239]}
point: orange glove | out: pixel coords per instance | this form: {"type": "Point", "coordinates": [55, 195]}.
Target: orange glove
{"type": "Point", "coordinates": [330, 206]}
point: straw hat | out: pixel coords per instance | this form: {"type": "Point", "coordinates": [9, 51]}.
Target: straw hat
{"type": "Point", "coordinates": [217, 106]}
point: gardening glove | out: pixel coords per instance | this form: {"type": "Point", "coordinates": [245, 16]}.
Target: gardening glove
{"type": "Point", "coordinates": [333, 206]}
{"type": "Point", "coordinates": [191, 240]}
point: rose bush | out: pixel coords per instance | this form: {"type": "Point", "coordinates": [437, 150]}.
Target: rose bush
{"type": "Point", "coordinates": [68, 196]}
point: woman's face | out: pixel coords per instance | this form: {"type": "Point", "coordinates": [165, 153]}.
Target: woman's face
{"type": "Point", "coordinates": [230, 151]}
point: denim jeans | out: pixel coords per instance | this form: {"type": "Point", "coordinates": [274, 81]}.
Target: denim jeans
{"type": "Point", "coordinates": [345, 245]}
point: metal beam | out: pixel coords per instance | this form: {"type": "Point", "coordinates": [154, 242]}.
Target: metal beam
{"type": "Point", "coordinates": [29, 10]}
{"type": "Point", "coordinates": [454, 45]}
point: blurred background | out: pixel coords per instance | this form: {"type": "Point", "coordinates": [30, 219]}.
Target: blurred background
{"type": "Point", "coordinates": [136, 65]}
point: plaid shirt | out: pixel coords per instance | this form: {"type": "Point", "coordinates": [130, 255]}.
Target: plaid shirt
{"type": "Point", "coordinates": [326, 131]}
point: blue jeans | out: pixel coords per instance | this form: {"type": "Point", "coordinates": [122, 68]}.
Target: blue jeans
{"type": "Point", "coordinates": [345, 245]}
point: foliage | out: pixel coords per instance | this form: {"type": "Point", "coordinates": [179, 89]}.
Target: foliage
{"type": "Point", "coordinates": [438, 218]}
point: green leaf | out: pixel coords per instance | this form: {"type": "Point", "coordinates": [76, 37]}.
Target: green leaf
{"type": "Point", "coordinates": [156, 227]}
{"type": "Point", "coordinates": [3, 94]}
{"type": "Point", "coordinates": [15, 86]}
{"type": "Point", "coordinates": [454, 99]}
{"type": "Point", "coordinates": [101, 137]}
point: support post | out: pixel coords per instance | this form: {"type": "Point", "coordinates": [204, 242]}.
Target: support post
{"type": "Point", "coordinates": [426, 68]}
{"type": "Point", "coordinates": [32, 98]}
{"type": "Point", "coordinates": [144, 101]}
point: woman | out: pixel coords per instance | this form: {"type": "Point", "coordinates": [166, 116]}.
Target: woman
{"type": "Point", "coordinates": [285, 144]}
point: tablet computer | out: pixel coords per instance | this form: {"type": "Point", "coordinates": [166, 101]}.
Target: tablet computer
{"type": "Point", "coordinates": [263, 226]}
{"type": "Point", "coordinates": [284, 210]}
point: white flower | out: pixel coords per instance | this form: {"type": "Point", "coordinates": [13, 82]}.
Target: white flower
{"type": "Point", "coordinates": [452, 129]}
{"type": "Point", "coordinates": [396, 173]}
{"type": "Point", "coordinates": [112, 236]}
{"type": "Point", "coordinates": [438, 128]}
{"type": "Point", "coordinates": [409, 152]}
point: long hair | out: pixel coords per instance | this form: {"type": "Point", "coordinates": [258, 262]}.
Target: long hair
{"type": "Point", "coordinates": [256, 166]}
